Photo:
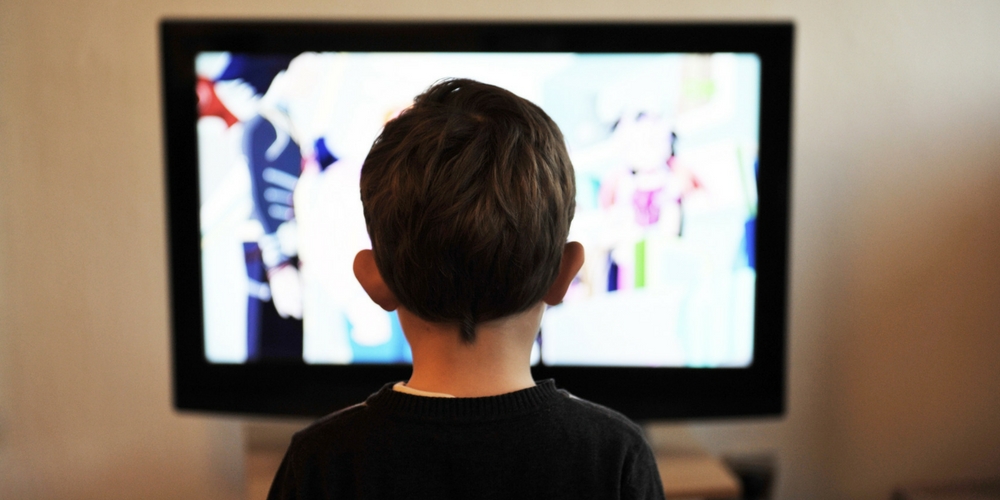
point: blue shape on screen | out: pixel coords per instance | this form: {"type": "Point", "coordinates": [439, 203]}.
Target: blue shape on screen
{"type": "Point", "coordinates": [323, 154]}
{"type": "Point", "coordinates": [275, 162]}
{"type": "Point", "coordinates": [255, 273]}
{"type": "Point", "coordinates": [257, 70]}
{"type": "Point", "coordinates": [750, 242]}
{"type": "Point", "coordinates": [750, 233]}
{"type": "Point", "coordinates": [612, 275]}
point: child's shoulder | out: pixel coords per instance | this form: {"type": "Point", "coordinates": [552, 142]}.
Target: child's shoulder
{"type": "Point", "coordinates": [335, 427]}
{"type": "Point", "coordinates": [341, 429]}
{"type": "Point", "coordinates": [610, 422]}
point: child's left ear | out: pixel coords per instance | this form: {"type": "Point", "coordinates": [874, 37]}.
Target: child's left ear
{"type": "Point", "coordinates": [371, 280]}
{"type": "Point", "coordinates": [572, 261]}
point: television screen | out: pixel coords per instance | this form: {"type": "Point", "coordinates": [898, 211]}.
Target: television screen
{"type": "Point", "coordinates": [664, 147]}
{"type": "Point", "coordinates": [666, 136]}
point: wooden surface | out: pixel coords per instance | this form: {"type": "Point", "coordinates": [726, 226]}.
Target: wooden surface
{"type": "Point", "coordinates": [697, 476]}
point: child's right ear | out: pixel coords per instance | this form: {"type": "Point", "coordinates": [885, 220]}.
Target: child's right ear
{"type": "Point", "coordinates": [371, 280]}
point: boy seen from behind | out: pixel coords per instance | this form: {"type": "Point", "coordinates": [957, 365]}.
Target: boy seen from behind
{"type": "Point", "coordinates": [468, 197]}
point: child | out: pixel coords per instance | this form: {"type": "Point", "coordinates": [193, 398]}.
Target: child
{"type": "Point", "coordinates": [468, 196]}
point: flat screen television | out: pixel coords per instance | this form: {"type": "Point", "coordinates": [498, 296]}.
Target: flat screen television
{"type": "Point", "coordinates": [679, 135]}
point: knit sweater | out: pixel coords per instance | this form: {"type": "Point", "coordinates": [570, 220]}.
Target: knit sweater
{"type": "Point", "coordinates": [539, 442]}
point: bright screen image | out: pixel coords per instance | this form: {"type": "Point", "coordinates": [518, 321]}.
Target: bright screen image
{"type": "Point", "coordinates": [665, 152]}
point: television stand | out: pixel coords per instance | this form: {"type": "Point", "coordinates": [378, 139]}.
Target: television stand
{"type": "Point", "coordinates": [687, 469]}
{"type": "Point", "coordinates": [697, 476]}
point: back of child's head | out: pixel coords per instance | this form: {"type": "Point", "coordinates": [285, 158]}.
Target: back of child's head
{"type": "Point", "coordinates": [468, 197]}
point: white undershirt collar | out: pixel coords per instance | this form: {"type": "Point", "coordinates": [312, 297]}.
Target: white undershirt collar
{"type": "Point", "coordinates": [402, 387]}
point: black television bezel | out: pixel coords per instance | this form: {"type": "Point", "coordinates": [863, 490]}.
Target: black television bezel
{"type": "Point", "coordinates": [297, 389]}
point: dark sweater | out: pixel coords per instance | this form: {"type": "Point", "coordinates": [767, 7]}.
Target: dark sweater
{"type": "Point", "coordinates": [539, 442]}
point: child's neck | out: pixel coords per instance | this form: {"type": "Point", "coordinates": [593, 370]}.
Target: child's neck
{"type": "Point", "coordinates": [497, 362]}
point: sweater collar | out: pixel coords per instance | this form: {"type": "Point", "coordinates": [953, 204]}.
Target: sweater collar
{"type": "Point", "coordinates": [465, 409]}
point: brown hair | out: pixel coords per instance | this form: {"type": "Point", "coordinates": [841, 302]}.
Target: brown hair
{"type": "Point", "coordinates": [468, 197]}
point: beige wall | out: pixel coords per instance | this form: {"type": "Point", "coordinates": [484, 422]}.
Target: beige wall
{"type": "Point", "coordinates": [895, 297]}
